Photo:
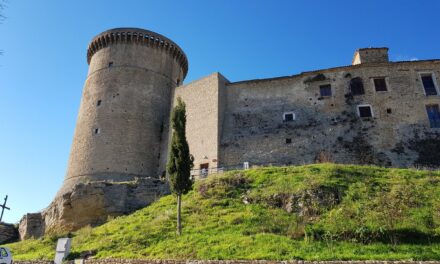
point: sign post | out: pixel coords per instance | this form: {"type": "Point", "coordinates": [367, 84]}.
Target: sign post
{"type": "Point", "coordinates": [63, 249]}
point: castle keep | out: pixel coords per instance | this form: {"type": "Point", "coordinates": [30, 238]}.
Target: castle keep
{"type": "Point", "coordinates": [370, 112]}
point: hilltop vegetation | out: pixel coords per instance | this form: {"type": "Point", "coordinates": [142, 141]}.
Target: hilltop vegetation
{"type": "Point", "coordinates": [313, 212]}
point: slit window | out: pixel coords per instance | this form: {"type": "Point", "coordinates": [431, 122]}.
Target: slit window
{"type": "Point", "coordinates": [380, 84]}
{"type": "Point", "coordinates": [428, 84]}
{"type": "Point", "coordinates": [365, 111]}
{"type": "Point", "coordinates": [98, 103]}
{"type": "Point", "coordinates": [357, 86]}
{"type": "Point", "coordinates": [97, 131]}
{"type": "Point", "coordinates": [288, 116]}
{"type": "Point", "coordinates": [288, 140]}
{"type": "Point", "coordinates": [325, 90]}
{"type": "Point", "coordinates": [433, 115]}
{"type": "Point", "coordinates": [110, 64]}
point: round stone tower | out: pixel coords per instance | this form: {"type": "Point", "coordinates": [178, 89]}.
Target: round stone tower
{"type": "Point", "coordinates": [122, 128]}
{"type": "Point", "coordinates": [125, 106]}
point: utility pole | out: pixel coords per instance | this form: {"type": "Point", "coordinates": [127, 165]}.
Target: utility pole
{"type": "Point", "coordinates": [3, 208]}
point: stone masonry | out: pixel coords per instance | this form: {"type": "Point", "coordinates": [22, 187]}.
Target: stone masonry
{"type": "Point", "coordinates": [8, 233]}
{"type": "Point", "coordinates": [119, 148]}
{"type": "Point", "coordinates": [373, 111]}
{"type": "Point", "coordinates": [315, 116]}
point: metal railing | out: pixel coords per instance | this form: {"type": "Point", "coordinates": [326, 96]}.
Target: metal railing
{"type": "Point", "coordinates": [203, 173]}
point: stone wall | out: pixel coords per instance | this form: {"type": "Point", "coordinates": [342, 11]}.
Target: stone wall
{"type": "Point", "coordinates": [124, 109]}
{"type": "Point", "coordinates": [31, 225]}
{"type": "Point", "coordinates": [231, 123]}
{"type": "Point", "coordinates": [121, 131]}
{"type": "Point", "coordinates": [8, 233]}
{"type": "Point", "coordinates": [33, 262]}
{"type": "Point", "coordinates": [91, 204]}
{"type": "Point", "coordinates": [203, 99]}
{"type": "Point", "coordinates": [370, 55]}
{"type": "Point", "coordinates": [330, 127]}
{"type": "Point", "coordinates": [135, 261]}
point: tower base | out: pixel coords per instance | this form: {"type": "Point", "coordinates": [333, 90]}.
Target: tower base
{"type": "Point", "coordinates": [92, 204]}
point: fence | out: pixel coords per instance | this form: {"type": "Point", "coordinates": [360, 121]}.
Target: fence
{"type": "Point", "coordinates": [203, 173]}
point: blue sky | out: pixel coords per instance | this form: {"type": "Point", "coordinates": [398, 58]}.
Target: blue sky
{"type": "Point", "coordinates": [43, 68]}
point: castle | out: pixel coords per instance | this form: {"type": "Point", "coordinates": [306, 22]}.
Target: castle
{"type": "Point", "coordinates": [370, 112]}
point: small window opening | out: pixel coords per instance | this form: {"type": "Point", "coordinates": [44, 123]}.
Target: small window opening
{"type": "Point", "coordinates": [288, 140]}
{"type": "Point", "coordinates": [325, 90]}
{"type": "Point", "coordinates": [428, 84]}
{"type": "Point", "coordinates": [357, 86]}
{"type": "Point", "coordinates": [289, 116]}
{"type": "Point", "coordinates": [204, 169]}
{"type": "Point", "coordinates": [365, 111]}
{"type": "Point", "coordinates": [433, 115]}
{"type": "Point", "coordinates": [389, 111]}
{"type": "Point", "coordinates": [178, 82]}
{"type": "Point", "coordinates": [380, 85]}
{"type": "Point", "coordinates": [98, 103]}
{"type": "Point", "coordinates": [110, 64]}
{"type": "Point", "coordinates": [97, 131]}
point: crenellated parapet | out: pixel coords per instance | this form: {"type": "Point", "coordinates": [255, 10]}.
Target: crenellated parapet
{"type": "Point", "coordinates": [122, 129]}
{"type": "Point", "coordinates": [140, 37]}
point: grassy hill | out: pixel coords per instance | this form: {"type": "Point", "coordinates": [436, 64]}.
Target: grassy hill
{"type": "Point", "coordinates": [313, 212]}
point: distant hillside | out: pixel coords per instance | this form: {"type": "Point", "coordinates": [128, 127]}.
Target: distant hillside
{"type": "Point", "coordinates": [314, 212]}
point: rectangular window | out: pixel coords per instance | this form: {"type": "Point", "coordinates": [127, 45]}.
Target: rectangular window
{"type": "Point", "coordinates": [204, 169]}
{"type": "Point", "coordinates": [325, 90]}
{"type": "Point", "coordinates": [288, 116]}
{"type": "Point", "coordinates": [98, 103]}
{"type": "Point", "coordinates": [433, 115]}
{"type": "Point", "coordinates": [288, 140]}
{"type": "Point", "coordinates": [356, 86]}
{"type": "Point", "coordinates": [380, 84]}
{"type": "Point", "coordinates": [428, 84]}
{"type": "Point", "coordinates": [365, 111]}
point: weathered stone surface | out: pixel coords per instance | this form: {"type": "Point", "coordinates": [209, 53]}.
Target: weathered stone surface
{"type": "Point", "coordinates": [243, 121]}
{"type": "Point", "coordinates": [8, 233]}
{"type": "Point", "coordinates": [122, 130]}
{"type": "Point", "coordinates": [31, 225]}
{"type": "Point", "coordinates": [91, 204]}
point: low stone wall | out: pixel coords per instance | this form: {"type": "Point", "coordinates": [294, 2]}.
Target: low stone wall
{"type": "Point", "coordinates": [138, 261]}
{"type": "Point", "coordinates": [33, 262]}
{"type": "Point", "coordinates": [75, 208]}
{"type": "Point", "coordinates": [8, 233]}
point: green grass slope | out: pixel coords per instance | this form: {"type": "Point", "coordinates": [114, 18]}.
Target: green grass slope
{"type": "Point", "coordinates": [313, 212]}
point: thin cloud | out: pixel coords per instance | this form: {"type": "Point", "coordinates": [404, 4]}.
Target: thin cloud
{"type": "Point", "coordinates": [405, 58]}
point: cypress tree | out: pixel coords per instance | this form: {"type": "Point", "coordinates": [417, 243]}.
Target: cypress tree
{"type": "Point", "coordinates": [180, 161]}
